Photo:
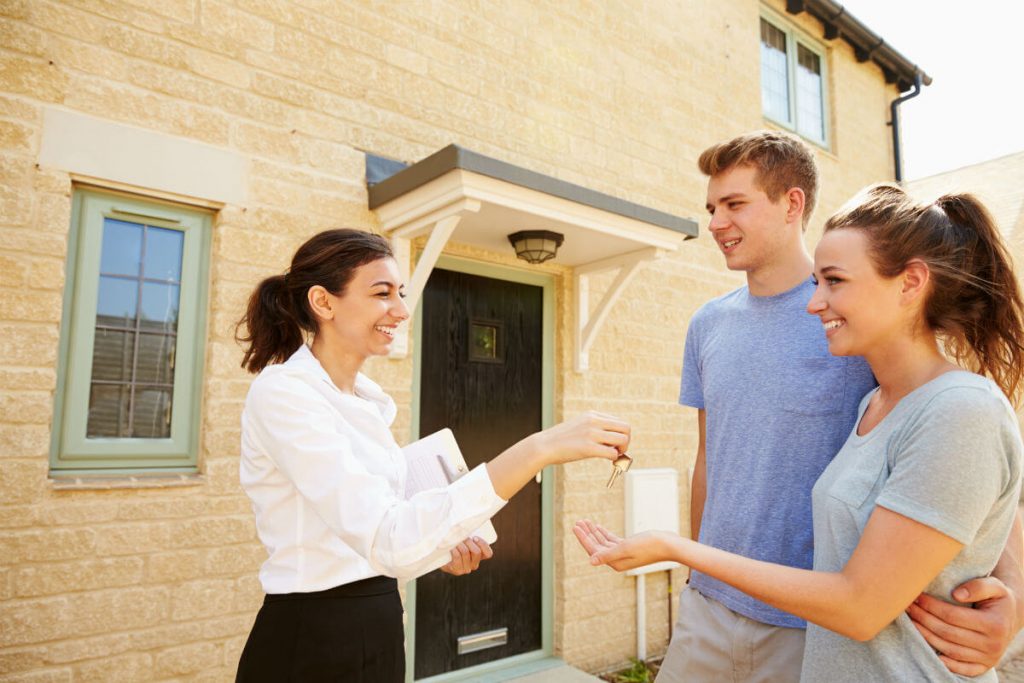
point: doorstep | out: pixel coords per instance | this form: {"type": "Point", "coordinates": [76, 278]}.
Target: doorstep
{"type": "Point", "coordinates": [561, 674]}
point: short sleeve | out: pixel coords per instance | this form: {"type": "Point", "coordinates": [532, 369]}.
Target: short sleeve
{"type": "Point", "coordinates": [953, 462]}
{"type": "Point", "coordinates": [691, 389]}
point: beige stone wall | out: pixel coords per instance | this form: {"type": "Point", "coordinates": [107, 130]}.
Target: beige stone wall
{"type": "Point", "coordinates": [155, 583]}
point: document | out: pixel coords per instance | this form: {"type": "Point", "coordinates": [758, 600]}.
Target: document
{"type": "Point", "coordinates": [434, 462]}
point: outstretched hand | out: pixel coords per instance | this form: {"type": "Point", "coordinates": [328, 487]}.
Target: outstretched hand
{"type": "Point", "coordinates": [968, 640]}
{"type": "Point", "coordinates": [621, 554]}
{"type": "Point", "coordinates": [589, 435]}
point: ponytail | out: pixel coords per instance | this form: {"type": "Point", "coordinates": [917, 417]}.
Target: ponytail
{"type": "Point", "coordinates": [278, 317]}
{"type": "Point", "coordinates": [272, 333]}
{"type": "Point", "coordinates": [983, 314]}
{"type": "Point", "coordinates": [975, 305]}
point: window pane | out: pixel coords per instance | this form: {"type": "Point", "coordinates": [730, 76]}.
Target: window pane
{"type": "Point", "coordinates": [117, 300]}
{"type": "Point", "coordinates": [809, 101]}
{"type": "Point", "coordinates": [152, 417]}
{"type": "Point", "coordinates": [112, 355]}
{"type": "Point", "coordinates": [163, 254]}
{"type": "Point", "coordinates": [774, 73]}
{"type": "Point", "coordinates": [108, 411]}
{"type": "Point", "coordinates": [156, 359]}
{"type": "Point", "coordinates": [159, 307]}
{"type": "Point", "coordinates": [122, 247]}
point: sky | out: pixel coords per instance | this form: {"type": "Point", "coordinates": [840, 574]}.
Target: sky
{"type": "Point", "coordinates": [974, 52]}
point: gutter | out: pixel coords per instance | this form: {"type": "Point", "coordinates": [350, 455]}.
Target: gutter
{"type": "Point", "coordinates": [867, 45]}
{"type": "Point", "coordinates": [894, 107]}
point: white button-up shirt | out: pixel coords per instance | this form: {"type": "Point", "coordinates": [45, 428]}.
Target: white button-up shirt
{"type": "Point", "coordinates": [327, 479]}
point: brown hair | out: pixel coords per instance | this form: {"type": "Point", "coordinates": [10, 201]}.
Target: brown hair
{"type": "Point", "coordinates": [278, 313]}
{"type": "Point", "coordinates": [975, 301]}
{"type": "Point", "coordinates": [782, 161]}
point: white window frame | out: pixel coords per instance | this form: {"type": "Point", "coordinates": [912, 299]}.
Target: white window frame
{"type": "Point", "coordinates": [795, 37]}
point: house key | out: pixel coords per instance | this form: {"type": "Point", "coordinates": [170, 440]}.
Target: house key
{"type": "Point", "coordinates": [620, 466]}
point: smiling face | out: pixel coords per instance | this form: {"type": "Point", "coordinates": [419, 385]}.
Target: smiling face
{"type": "Point", "coordinates": [362, 321]}
{"type": "Point", "coordinates": [749, 228]}
{"type": "Point", "coordinates": [860, 310]}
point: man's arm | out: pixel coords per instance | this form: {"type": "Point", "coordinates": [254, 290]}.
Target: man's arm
{"type": "Point", "coordinates": [972, 640]}
{"type": "Point", "coordinates": [698, 485]}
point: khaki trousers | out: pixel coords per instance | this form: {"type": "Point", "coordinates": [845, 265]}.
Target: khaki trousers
{"type": "Point", "coordinates": [713, 644]}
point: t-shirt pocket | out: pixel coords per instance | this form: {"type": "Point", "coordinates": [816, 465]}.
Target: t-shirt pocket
{"type": "Point", "coordinates": [813, 386]}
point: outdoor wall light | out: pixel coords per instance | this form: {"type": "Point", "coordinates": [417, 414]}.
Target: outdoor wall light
{"type": "Point", "coordinates": [536, 246]}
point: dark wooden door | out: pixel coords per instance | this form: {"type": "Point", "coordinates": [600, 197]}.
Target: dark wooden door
{"type": "Point", "coordinates": [481, 375]}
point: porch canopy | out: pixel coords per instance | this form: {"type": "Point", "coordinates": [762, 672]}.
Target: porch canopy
{"type": "Point", "coordinates": [456, 194]}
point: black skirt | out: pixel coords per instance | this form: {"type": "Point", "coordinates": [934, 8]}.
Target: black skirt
{"type": "Point", "coordinates": [351, 633]}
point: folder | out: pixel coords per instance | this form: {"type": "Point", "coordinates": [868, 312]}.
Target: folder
{"type": "Point", "coordinates": [435, 461]}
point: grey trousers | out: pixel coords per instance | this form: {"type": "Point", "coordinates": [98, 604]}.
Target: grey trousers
{"type": "Point", "coordinates": [713, 644]}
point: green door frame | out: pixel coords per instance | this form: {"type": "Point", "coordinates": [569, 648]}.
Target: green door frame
{"type": "Point", "coordinates": [538, 659]}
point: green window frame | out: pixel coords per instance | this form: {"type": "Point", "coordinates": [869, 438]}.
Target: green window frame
{"type": "Point", "coordinates": [179, 362]}
{"type": "Point", "coordinates": [796, 67]}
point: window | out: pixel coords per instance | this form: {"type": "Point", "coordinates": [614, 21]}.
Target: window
{"type": "Point", "coordinates": [133, 336]}
{"type": "Point", "coordinates": [793, 82]}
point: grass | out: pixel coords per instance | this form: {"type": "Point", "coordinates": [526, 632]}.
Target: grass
{"type": "Point", "coordinates": [638, 672]}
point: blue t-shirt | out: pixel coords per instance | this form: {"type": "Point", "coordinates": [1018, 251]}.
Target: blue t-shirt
{"type": "Point", "coordinates": [779, 407]}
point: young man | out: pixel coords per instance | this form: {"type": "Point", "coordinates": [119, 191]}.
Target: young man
{"type": "Point", "coordinates": [773, 408]}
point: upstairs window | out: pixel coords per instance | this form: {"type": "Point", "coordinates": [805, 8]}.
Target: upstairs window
{"type": "Point", "coordinates": [133, 337]}
{"type": "Point", "coordinates": [793, 82]}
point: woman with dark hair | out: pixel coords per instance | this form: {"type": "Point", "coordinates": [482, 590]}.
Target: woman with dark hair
{"type": "Point", "coordinates": [923, 494]}
{"type": "Point", "coordinates": [327, 479]}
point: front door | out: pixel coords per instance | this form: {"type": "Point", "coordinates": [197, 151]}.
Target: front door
{"type": "Point", "coordinates": [481, 375]}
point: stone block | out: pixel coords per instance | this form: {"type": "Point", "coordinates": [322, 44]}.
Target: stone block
{"type": "Point", "coordinates": [17, 138]}
{"type": "Point", "coordinates": [22, 481]}
{"type": "Point", "coordinates": [13, 271]}
{"type": "Point", "coordinates": [203, 598]}
{"type": "Point", "coordinates": [187, 659]}
{"type": "Point", "coordinates": [183, 565]}
{"type": "Point", "coordinates": [46, 273]}
{"type": "Point", "coordinates": [131, 539]}
{"type": "Point", "coordinates": [41, 676]}
{"type": "Point", "coordinates": [21, 659]}
{"type": "Point", "coordinates": [227, 627]}
{"type": "Point", "coordinates": [52, 213]}
{"type": "Point", "coordinates": [19, 109]}
{"type": "Point", "coordinates": [135, 666]}
{"type": "Point", "coordinates": [171, 507]}
{"type": "Point", "coordinates": [219, 68]}
{"type": "Point", "coordinates": [32, 621]}
{"type": "Point", "coordinates": [237, 26]}
{"type": "Point", "coordinates": [144, 45]}
{"type": "Point", "coordinates": [210, 531]}
{"type": "Point", "coordinates": [47, 545]}
{"type": "Point", "coordinates": [56, 578]}
{"type": "Point", "coordinates": [15, 208]}
{"type": "Point", "coordinates": [18, 516]}
{"type": "Point", "coordinates": [25, 408]}
{"type": "Point", "coordinates": [41, 80]}
{"type": "Point", "coordinates": [234, 560]}
{"type": "Point", "coordinates": [83, 512]}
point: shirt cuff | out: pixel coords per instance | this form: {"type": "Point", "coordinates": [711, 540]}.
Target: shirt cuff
{"type": "Point", "coordinates": [473, 496]}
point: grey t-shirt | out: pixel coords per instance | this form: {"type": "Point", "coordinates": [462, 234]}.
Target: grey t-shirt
{"type": "Point", "coordinates": [948, 456]}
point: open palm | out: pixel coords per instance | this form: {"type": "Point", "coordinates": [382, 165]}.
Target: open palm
{"type": "Point", "coordinates": [620, 554]}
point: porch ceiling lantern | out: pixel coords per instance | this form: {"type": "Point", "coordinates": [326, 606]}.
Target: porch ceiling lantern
{"type": "Point", "coordinates": [473, 199]}
{"type": "Point", "coordinates": [536, 246]}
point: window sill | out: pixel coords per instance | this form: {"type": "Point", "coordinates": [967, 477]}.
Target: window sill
{"type": "Point", "coordinates": [106, 482]}
{"type": "Point", "coordinates": [823, 145]}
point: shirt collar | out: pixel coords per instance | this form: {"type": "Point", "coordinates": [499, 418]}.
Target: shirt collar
{"type": "Point", "coordinates": [365, 388]}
